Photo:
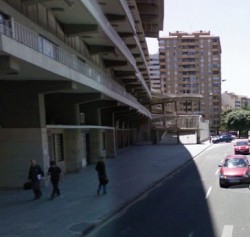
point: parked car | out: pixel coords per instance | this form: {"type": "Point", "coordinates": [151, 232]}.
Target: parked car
{"type": "Point", "coordinates": [223, 138]}
{"type": "Point", "coordinates": [241, 147]}
{"type": "Point", "coordinates": [234, 170]}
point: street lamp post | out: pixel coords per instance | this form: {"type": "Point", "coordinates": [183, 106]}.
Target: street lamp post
{"type": "Point", "coordinates": [216, 100]}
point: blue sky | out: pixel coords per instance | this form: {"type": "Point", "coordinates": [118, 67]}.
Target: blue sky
{"type": "Point", "coordinates": [228, 19]}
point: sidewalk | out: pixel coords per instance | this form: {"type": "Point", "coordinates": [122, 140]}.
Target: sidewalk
{"type": "Point", "coordinates": [135, 170]}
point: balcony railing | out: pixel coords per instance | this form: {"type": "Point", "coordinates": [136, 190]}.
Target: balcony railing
{"type": "Point", "coordinates": [178, 121]}
{"type": "Point", "coordinates": [32, 39]}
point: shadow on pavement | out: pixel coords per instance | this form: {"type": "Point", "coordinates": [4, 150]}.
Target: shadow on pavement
{"type": "Point", "coordinates": [133, 174]}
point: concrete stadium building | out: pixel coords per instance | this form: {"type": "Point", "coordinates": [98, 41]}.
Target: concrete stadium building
{"type": "Point", "coordinates": [74, 81]}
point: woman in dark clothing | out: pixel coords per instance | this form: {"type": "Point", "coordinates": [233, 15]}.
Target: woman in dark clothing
{"type": "Point", "coordinates": [35, 176]}
{"type": "Point", "coordinates": [55, 174]}
{"type": "Point", "coordinates": [102, 176]}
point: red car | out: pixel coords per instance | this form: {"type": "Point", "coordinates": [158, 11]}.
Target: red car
{"type": "Point", "coordinates": [234, 170]}
{"type": "Point", "coordinates": [241, 147]}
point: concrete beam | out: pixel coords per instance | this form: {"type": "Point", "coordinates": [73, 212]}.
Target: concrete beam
{"type": "Point", "coordinates": [125, 34]}
{"type": "Point", "coordinates": [73, 97]}
{"type": "Point", "coordinates": [30, 2]}
{"type": "Point", "coordinates": [137, 55]}
{"type": "Point", "coordinates": [131, 46]}
{"type": "Point", "coordinates": [95, 49]}
{"type": "Point", "coordinates": [100, 104]}
{"type": "Point", "coordinates": [79, 29]}
{"type": "Point", "coordinates": [122, 74]}
{"type": "Point", "coordinates": [116, 18]}
{"type": "Point", "coordinates": [9, 65]}
{"type": "Point", "coordinates": [114, 63]}
{"type": "Point", "coordinates": [131, 81]}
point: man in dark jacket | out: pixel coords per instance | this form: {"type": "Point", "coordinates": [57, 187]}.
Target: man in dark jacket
{"type": "Point", "coordinates": [35, 176]}
{"type": "Point", "coordinates": [102, 176]}
{"type": "Point", "coordinates": [55, 173]}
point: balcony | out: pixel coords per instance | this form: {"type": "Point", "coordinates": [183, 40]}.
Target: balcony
{"type": "Point", "coordinates": [19, 33]}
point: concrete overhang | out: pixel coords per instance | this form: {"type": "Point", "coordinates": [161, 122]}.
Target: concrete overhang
{"type": "Point", "coordinates": [124, 74]}
{"type": "Point", "coordinates": [115, 18]}
{"type": "Point", "coordinates": [152, 15]}
{"type": "Point", "coordinates": [114, 63]}
{"type": "Point", "coordinates": [9, 65]}
{"type": "Point", "coordinates": [85, 18]}
{"type": "Point", "coordinates": [96, 49]}
{"type": "Point", "coordinates": [30, 2]}
{"type": "Point", "coordinates": [79, 29]}
{"type": "Point", "coordinates": [126, 34]}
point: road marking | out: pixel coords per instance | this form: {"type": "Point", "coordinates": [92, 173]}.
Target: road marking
{"type": "Point", "coordinates": [217, 171]}
{"type": "Point", "coordinates": [227, 231]}
{"type": "Point", "coordinates": [208, 192]}
{"type": "Point", "coordinates": [191, 234]}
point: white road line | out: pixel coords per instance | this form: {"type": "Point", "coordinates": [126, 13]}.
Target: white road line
{"type": "Point", "coordinates": [191, 234]}
{"type": "Point", "coordinates": [208, 192]}
{"type": "Point", "coordinates": [217, 171]}
{"type": "Point", "coordinates": [227, 231]}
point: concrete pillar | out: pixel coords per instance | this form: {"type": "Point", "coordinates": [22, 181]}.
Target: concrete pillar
{"type": "Point", "coordinates": [22, 137]}
{"type": "Point", "coordinates": [74, 150]}
{"type": "Point", "coordinates": [97, 145]}
{"type": "Point", "coordinates": [110, 144]}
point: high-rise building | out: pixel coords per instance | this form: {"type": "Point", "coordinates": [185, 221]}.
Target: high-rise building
{"type": "Point", "coordinates": [154, 69]}
{"type": "Point", "coordinates": [190, 64]}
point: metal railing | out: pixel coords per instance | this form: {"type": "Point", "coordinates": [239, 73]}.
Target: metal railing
{"type": "Point", "coordinates": [32, 39]}
{"type": "Point", "coordinates": [177, 121]}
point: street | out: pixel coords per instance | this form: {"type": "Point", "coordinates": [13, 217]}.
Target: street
{"type": "Point", "coordinates": [189, 203]}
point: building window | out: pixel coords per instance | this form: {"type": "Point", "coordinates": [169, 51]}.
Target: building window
{"type": "Point", "coordinates": [47, 47]}
{"type": "Point", "coordinates": [5, 24]}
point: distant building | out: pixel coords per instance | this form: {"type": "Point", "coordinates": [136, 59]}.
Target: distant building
{"type": "Point", "coordinates": [230, 100]}
{"type": "Point", "coordinates": [190, 63]}
{"type": "Point", "coordinates": [154, 69]}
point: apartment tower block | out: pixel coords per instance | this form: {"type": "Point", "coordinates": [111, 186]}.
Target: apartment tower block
{"type": "Point", "coordinates": [190, 64]}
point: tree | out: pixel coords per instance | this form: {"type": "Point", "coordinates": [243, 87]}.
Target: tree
{"type": "Point", "coordinates": [238, 120]}
{"type": "Point", "coordinates": [223, 125]}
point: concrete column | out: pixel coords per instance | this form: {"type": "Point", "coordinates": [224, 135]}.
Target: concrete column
{"type": "Point", "coordinates": [110, 144]}
{"type": "Point", "coordinates": [22, 137]}
{"type": "Point", "coordinates": [74, 150]}
{"type": "Point", "coordinates": [97, 145]}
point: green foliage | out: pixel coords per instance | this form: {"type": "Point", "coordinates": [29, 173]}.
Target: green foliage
{"type": "Point", "coordinates": [224, 119]}
{"type": "Point", "coordinates": [236, 120]}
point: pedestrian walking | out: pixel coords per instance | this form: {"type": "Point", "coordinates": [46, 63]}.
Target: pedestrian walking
{"type": "Point", "coordinates": [55, 174]}
{"type": "Point", "coordinates": [102, 176]}
{"type": "Point", "coordinates": [35, 176]}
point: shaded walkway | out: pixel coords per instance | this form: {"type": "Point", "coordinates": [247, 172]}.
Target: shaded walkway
{"type": "Point", "coordinates": [134, 171]}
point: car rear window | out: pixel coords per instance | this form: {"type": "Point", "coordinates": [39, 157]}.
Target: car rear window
{"type": "Point", "coordinates": [241, 143]}
{"type": "Point", "coordinates": [235, 163]}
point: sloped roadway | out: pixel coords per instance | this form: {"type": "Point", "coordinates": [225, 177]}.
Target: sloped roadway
{"type": "Point", "coordinates": [189, 203]}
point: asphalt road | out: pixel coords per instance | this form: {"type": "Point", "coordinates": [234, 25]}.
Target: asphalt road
{"type": "Point", "coordinates": [190, 203]}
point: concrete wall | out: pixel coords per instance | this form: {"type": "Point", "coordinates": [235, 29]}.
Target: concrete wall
{"type": "Point", "coordinates": [17, 148]}
{"type": "Point", "coordinates": [19, 106]}
{"type": "Point", "coordinates": [204, 132]}
{"type": "Point", "coordinates": [97, 147]}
